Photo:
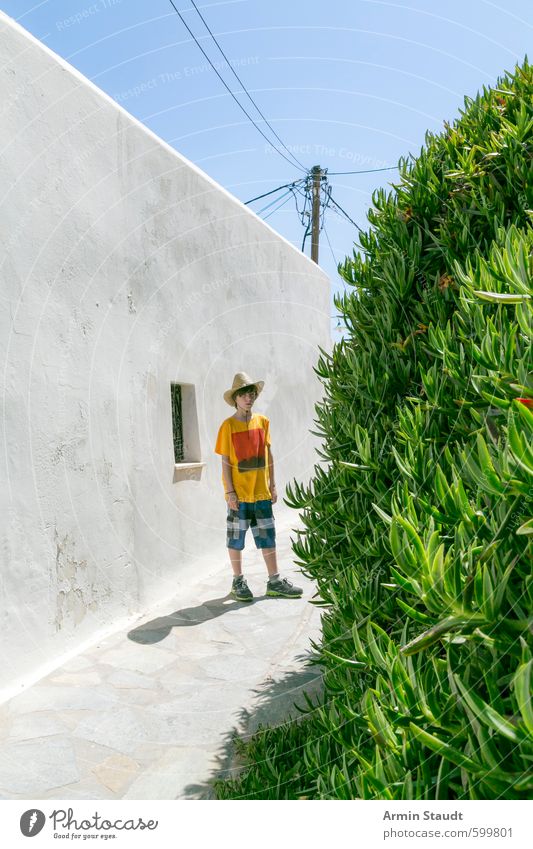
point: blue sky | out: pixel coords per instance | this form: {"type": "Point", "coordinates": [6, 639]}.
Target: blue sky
{"type": "Point", "coordinates": [346, 85]}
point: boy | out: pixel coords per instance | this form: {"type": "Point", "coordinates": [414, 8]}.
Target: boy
{"type": "Point", "coordinates": [244, 442]}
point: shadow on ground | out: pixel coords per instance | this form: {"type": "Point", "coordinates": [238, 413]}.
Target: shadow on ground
{"type": "Point", "coordinates": [274, 706]}
{"type": "Point", "coordinates": [157, 629]}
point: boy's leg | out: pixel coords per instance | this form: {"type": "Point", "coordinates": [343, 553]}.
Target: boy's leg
{"type": "Point", "coordinates": [235, 557]}
{"type": "Point", "coordinates": [264, 531]}
{"type": "Point", "coordinates": [237, 524]}
{"type": "Point", "coordinates": [270, 557]}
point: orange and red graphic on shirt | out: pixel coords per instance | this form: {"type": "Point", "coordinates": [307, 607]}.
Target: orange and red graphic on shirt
{"type": "Point", "coordinates": [249, 447]}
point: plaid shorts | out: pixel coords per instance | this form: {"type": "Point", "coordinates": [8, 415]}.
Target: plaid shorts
{"type": "Point", "coordinates": [259, 515]}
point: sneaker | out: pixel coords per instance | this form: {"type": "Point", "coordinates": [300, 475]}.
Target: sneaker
{"type": "Point", "coordinates": [282, 588]}
{"type": "Point", "coordinates": [240, 589]}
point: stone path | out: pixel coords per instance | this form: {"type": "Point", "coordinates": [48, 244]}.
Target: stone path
{"type": "Point", "coordinates": [150, 713]}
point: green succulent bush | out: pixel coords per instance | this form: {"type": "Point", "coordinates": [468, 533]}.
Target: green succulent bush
{"type": "Point", "coordinates": [418, 533]}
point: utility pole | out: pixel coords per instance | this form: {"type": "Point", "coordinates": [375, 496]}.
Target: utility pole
{"type": "Point", "coordinates": [316, 172]}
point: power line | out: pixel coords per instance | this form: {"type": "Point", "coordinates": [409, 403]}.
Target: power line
{"type": "Point", "coordinates": [226, 86]}
{"type": "Point", "coordinates": [297, 184]}
{"type": "Point", "coordinates": [306, 234]}
{"type": "Point", "coordinates": [346, 214]}
{"type": "Point", "coordinates": [266, 194]}
{"type": "Point", "coordinates": [296, 190]}
{"type": "Point", "coordinates": [331, 249]}
{"type": "Point", "coordinates": [369, 171]}
{"type": "Point", "coordinates": [272, 202]}
{"type": "Point", "coordinates": [303, 187]}
{"type": "Point", "coordinates": [249, 96]}
{"type": "Point", "coordinates": [303, 191]}
{"type": "Point", "coordinates": [277, 208]}
{"type": "Point", "coordinates": [326, 188]}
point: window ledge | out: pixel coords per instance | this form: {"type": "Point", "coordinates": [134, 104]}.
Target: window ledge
{"type": "Point", "coordinates": [188, 471]}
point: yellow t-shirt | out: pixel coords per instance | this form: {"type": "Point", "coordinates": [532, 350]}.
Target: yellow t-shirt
{"type": "Point", "coordinates": [246, 445]}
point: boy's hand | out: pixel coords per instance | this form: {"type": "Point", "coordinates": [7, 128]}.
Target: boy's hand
{"type": "Point", "coordinates": [274, 493]}
{"type": "Point", "coordinates": [233, 501]}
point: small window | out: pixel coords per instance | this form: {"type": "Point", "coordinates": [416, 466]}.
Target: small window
{"type": "Point", "coordinates": [185, 434]}
{"type": "Point", "coordinates": [177, 422]}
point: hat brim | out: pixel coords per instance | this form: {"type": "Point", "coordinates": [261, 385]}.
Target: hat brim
{"type": "Point", "coordinates": [229, 392]}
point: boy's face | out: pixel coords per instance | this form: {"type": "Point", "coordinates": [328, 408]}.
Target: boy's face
{"type": "Point", "coordinates": [245, 399]}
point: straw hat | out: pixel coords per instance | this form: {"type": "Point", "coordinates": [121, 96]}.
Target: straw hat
{"type": "Point", "coordinates": [241, 380]}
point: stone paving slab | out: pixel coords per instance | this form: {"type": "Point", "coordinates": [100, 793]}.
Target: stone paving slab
{"type": "Point", "coordinates": [147, 713]}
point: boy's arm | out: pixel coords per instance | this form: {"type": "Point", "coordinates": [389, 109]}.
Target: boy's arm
{"type": "Point", "coordinates": [271, 468]}
{"type": "Point", "coordinates": [226, 474]}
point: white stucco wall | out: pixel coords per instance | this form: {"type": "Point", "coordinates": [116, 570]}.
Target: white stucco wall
{"type": "Point", "coordinates": [125, 268]}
